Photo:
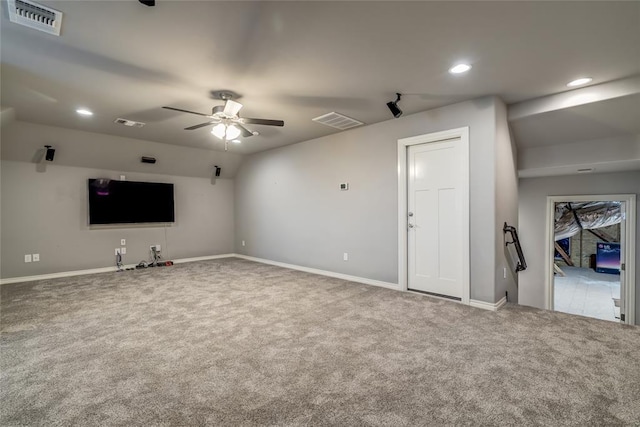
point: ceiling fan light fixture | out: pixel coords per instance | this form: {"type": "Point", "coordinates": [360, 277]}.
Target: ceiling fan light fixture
{"type": "Point", "coordinates": [219, 130]}
{"type": "Point", "coordinates": [233, 132]}
{"type": "Point", "coordinates": [223, 131]}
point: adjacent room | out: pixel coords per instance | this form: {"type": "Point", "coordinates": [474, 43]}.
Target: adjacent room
{"type": "Point", "coordinates": [319, 213]}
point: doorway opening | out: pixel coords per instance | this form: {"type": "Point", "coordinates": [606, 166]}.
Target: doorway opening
{"type": "Point", "coordinates": [591, 246]}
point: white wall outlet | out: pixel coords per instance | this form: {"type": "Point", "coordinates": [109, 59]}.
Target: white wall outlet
{"type": "Point", "coordinates": [27, 258]}
{"type": "Point", "coordinates": [117, 251]}
{"type": "Point", "coordinates": [123, 242]}
{"type": "Point", "coordinates": [243, 243]}
{"type": "Point", "coordinates": [123, 251]}
{"type": "Point", "coordinates": [157, 248]}
{"type": "Point", "coordinates": [122, 177]}
{"type": "Point", "coordinates": [35, 257]}
{"type": "Point", "coordinates": [345, 256]}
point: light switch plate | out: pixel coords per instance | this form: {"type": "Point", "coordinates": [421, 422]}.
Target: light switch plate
{"type": "Point", "coordinates": [123, 242]}
{"type": "Point", "coordinates": [27, 258]}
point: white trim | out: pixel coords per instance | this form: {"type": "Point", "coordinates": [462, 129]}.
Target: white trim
{"type": "Point", "coordinates": [98, 270]}
{"type": "Point", "coordinates": [630, 248]}
{"type": "Point", "coordinates": [203, 258]}
{"type": "Point", "coordinates": [488, 305]}
{"type": "Point", "coordinates": [348, 277]}
{"type": "Point", "coordinates": [463, 134]}
{"type": "Point", "coordinates": [327, 273]}
{"type": "Point", "coordinates": [56, 275]}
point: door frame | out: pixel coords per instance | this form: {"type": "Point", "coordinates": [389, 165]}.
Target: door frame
{"type": "Point", "coordinates": [629, 240]}
{"type": "Point", "coordinates": [403, 144]}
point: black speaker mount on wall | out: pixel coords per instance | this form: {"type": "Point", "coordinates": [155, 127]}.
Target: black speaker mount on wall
{"type": "Point", "coordinates": [50, 153]}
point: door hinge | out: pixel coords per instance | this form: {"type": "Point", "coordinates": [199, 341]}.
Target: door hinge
{"type": "Point", "coordinates": [622, 267]}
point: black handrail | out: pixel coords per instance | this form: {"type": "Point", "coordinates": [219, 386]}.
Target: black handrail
{"type": "Point", "coordinates": [522, 264]}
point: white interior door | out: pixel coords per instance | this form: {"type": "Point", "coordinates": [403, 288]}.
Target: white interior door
{"type": "Point", "coordinates": [437, 198]}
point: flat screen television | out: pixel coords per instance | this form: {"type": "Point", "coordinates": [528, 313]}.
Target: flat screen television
{"type": "Point", "coordinates": [130, 202]}
{"type": "Point", "coordinates": [608, 258]}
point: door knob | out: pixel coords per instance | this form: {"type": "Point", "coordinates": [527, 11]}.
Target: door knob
{"type": "Point", "coordinates": [411, 225]}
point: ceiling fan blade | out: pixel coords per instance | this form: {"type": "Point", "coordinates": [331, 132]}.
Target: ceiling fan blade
{"type": "Point", "coordinates": [265, 122]}
{"type": "Point", "coordinates": [201, 125]}
{"type": "Point", "coordinates": [231, 108]}
{"type": "Point", "coordinates": [186, 111]}
{"type": "Point", "coordinates": [246, 133]}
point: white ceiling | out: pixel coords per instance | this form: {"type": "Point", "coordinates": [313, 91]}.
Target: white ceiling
{"type": "Point", "coordinates": [298, 60]}
{"type": "Point", "coordinates": [609, 118]}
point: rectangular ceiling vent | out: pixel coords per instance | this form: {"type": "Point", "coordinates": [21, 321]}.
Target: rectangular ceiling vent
{"type": "Point", "coordinates": [36, 16]}
{"type": "Point", "coordinates": [338, 121]}
{"type": "Point", "coordinates": [129, 123]}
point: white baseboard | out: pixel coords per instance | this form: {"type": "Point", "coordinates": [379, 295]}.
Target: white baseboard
{"type": "Point", "coordinates": [488, 305]}
{"type": "Point", "coordinates": [348, 277]}
{"type": "Point", "coordinates": [98, 270]}
{"type": "Point", "coordinates": [202, 258]}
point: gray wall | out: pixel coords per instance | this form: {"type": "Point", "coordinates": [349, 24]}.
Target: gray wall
{"type": "Point", "coordinates": [43, 205]}
{"type": "Point", "coordinates": [506, 206]}
{"type": "Point", "coordinates": [289, 207]}
{"type": "Point", "coordinates": [24, 142]}
{"type": "Point", "coordinates": [46, 213]}
{"type": "Point", "coordinates": [532, 219]}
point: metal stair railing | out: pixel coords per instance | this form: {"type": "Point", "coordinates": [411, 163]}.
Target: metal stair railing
{"type": "Point", "coordinates": [522, 264]}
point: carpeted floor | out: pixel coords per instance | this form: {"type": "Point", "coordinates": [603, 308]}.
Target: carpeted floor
{"type": "Point", "coordinates": [232, 342]}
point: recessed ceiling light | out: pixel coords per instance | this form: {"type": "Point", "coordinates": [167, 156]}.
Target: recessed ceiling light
{"type": "Point", "coordinates": [84, 112]}
{"type": "Point", "coordinates": [460, 68]}
{"type": "Point", "coordinates": [236, 141]}
{"type": "Point", "coordinates": [580, 82]}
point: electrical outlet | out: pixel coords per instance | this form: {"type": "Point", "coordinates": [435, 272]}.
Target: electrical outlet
{"type": "Point", "coordinates": [117, 251]}
{"type": "Point", "coordinates": [243, 243]}
{"type": "Point", "coordinates": [123, 251]}
{"type": "Point", "coordinates": [123, 242]}
{"type": "Point", "coordinates": [27, 258]}
{"type": "Point", "coordinates": [35, 257]}
{"type": "Point", "coordinates": [345, 257]}
{"type": "Point", "coordinates": [156, 247]}
{"type": "Point", "coordinates": [505, 272]}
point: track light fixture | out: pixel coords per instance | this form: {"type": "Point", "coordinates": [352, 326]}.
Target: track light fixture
{"type": "Point", "coordinates": [49, 153]}
{"type": "Point", "coordinates": [393, 106]}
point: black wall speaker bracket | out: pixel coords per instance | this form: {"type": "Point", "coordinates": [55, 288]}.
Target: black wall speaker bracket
{"type": "Point", "coordinates": [51, 152]}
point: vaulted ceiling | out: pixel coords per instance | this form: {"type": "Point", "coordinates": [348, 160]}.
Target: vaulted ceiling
{"type": "Point", "coordinates": [298, 60]}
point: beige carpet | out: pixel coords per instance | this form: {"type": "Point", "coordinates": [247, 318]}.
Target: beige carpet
{"type": "Point", "coordinates": [232, 342]}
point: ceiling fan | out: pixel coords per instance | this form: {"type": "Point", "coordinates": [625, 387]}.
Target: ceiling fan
{"type": "Point", "coordinates": [227, 123]}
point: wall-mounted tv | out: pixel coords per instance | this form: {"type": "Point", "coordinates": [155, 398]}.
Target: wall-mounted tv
{"type": "Point", "coordinates": [608, 258]}
{"type": "Point", "coordinates": [130, 202]}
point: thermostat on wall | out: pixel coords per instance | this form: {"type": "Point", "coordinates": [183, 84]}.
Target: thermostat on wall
{"type": "Point", "coordinates": [344, 186]}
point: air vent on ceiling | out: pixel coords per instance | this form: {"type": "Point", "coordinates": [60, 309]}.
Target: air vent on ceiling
{"type": "Point", "coordinates": [36, 16]}
{"type": "Point", "coordinates": [338, 121]}
{"type": "Point", "coordinates": [129, 123]}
